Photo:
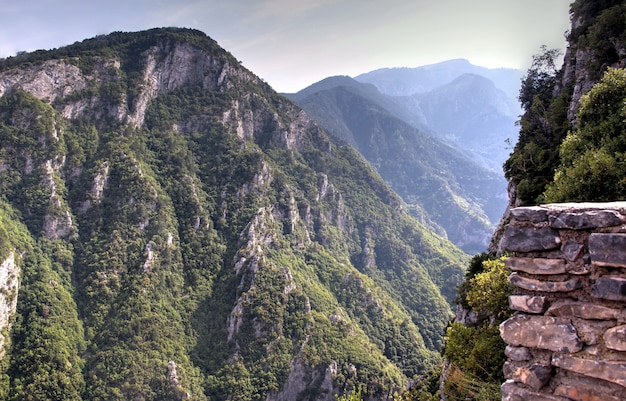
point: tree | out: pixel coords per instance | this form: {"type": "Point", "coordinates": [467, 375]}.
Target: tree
{"type": "Point", "coordinates": [593, 156]}
{"type": "Point", "coordinates": [531, 165]}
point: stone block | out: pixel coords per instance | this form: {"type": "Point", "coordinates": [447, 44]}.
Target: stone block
{"type": "Point", "coordinates": [528, 303]}
{"type": "Point", "coordinates": [517, 354]}
{"type": "Point", "coordinates": [610, 371]}
{"type": "Point", "coordinates": [537, 265]}
{"type": "Point", "coordinates": [586, 220]}
{"type": "Point", "coordinates": [610, 287]}
{"type": "Point", "coordinates": [615, 338]}
{"type": "Point", "coordinates": [580, 392]}
{"type": "Point", "coordinates": [608, 249]}
{"type": "Point", "coordinates": [545, 286]}
{"type": "Point", "coordinates": [512, 391]}
{"type": "Point", "coordinates": [534, 376]}
{"type": "Point", "coordinates": [590, 331]}
{"type": "Point", "coordinates": [529, 239]}
{"type": "Point", "coordinates": [533, 214]}
{"type": "Point", "coordinates": [572, 251]}
{"type": "Point", "coordinates": [545, 332]}
{"type": "Point", "coordinates": [585, 310]}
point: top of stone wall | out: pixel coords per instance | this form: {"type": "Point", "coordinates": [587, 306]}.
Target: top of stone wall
{"type": "Point", "coordinates": [534, 228]}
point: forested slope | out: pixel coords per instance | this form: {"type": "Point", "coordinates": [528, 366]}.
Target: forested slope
{"type": "Point", "coordinates": [179, 230]}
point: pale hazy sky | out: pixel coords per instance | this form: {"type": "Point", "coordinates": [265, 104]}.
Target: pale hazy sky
{"type": "Point", "coordinates": [294, 43]}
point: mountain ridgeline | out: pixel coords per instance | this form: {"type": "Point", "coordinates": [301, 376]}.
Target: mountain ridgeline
{"type": "Point", "coordinates": [172, 228]}
{"type": "Point", "coordinates": [440, 148]}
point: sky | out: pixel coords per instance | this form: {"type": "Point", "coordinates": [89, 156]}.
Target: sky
{"type": "Point", "coordinates": [294, 43]}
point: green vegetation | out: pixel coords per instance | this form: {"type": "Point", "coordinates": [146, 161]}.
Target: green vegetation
{"type": "Point", "coordinates": [593, 155]}
{"type": "Point", "coordinates": [219, 249]}
{"type": "Point", "coordinates": [542, 127]}
{"type": "Point", "coordinates": [475, 353]}
{"type": "Point", "coordinates": [552, 139]}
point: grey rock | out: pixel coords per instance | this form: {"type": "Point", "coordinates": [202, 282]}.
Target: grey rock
{"type": "Point", "coordinates": [534, 376]}
{"type": "Point", "coordinates": [529, 239]}
{"type": "Point", "coordinates": [517, 354]}
{"type": "Point", "coordinates": [615, 338]}
{"type": "Point", "coordinates": [572, 251]}
{"type": "Point", "coordinates": [585, 310]}
{"type": "Point", "coordinates": [545, 286]}
{"type": "Point", "coordinates": [586, 220]}
{"type": "Point", "coordinates": [512, 391]}
{"type": "Point", "coordinates": [611, 371]}
{"type": "Point", "coordinates": [545, 332]}
{"type": "Point", "coordinates": [534, 214]}
{"type": "Point", "coordinates": [610, 287]}
{"type": "Point", "coordinates": [528, 303]}
{"type": "Point", "coordinates": [608, 249]}
{"type": "Point", "coordinates": [537, 265]}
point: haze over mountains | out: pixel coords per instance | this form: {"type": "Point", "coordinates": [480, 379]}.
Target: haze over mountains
{"type": "Point", "coordinates": [437, 134]}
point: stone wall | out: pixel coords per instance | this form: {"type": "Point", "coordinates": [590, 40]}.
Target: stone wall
{"type": "Point", "coordinates": [567, 339]}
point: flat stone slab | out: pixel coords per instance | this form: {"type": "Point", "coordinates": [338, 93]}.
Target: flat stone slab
{"type": "Point", "coordinates": [528, 303]}
{"type": "Point", "coordinates": [529, 239]}
{"type": "Point", "coordinates": [611, 371]}
{"type": "Point", "coordinates": [534, 376]}
{"type": "Point", "coordinates": [534, 214]}
{"type": "Point", "coordinates": [586, 310]}
{"type": "Point", "coordinates": [608, 249]}
{"type": "Point", "coordinates": [587, 220]}
{"type": "Point", "coordinates": [512, 391]}
{"type": "Point", "coordinates": [537, 265]}
{"type": "Point", "coordinates": [545, 332]}
{"type": "Point", "coordinates": [579, 391]}
{"type": "Point", "coordinates": [610, 287]}
{"type": "Point", "coordinates": [531, 284]}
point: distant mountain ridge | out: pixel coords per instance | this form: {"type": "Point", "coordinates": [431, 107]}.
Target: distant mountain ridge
{"type": "Point", "coordinates": [450, 140]}
{"type": "Point", "coordinates": [406, 81]}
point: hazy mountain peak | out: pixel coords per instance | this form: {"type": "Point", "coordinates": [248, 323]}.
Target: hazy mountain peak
{"type": "Point", "coordinates": [408, 81]}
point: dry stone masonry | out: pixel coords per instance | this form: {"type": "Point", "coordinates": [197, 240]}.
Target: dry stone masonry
{"type": "Point", "coordinates": [567, 339]}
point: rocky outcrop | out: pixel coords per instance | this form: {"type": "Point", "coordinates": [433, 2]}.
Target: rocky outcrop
{"type": "Point", "coordinates": [568, 337]}
{"type": "Point", "coordinates": [9, 284]}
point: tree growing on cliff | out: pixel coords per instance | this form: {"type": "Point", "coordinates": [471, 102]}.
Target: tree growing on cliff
{"type": "Point", "coordinates": [531, 165]}
{"type": "Point", "coordinates": [593, 156]}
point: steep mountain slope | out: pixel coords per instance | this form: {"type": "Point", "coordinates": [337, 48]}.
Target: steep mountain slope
{"type": "Point", "coordinates": [444, 189]}
{"type": "Point", "coordinates": [181, 231]}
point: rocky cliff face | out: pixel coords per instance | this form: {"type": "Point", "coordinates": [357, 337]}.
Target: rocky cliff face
{"type": "Point", "coordinates": [191, 233]}
{"type": "Point", "coordinates": [9, 273]}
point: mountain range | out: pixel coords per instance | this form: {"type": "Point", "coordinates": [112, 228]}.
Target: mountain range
{"type": "Point", "coordinates": [172, 228]}
{"type": "Point", "coordinates": [441, 148]}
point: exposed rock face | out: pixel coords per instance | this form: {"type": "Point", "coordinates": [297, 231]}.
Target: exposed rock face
{"type": "Point", "coordinates": [567, 340]}
{"type": "Point", "coordinates": [9, 285]}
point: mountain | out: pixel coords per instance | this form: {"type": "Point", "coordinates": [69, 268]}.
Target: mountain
{"type": "Point", "coordinates": [405, 81]}
{"type": "Point", "coordinates": [172, 228]}
{"type": "Point", "coordinates": [444, 188]}
{"type": "Point", "coordinates": [474, 115]}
